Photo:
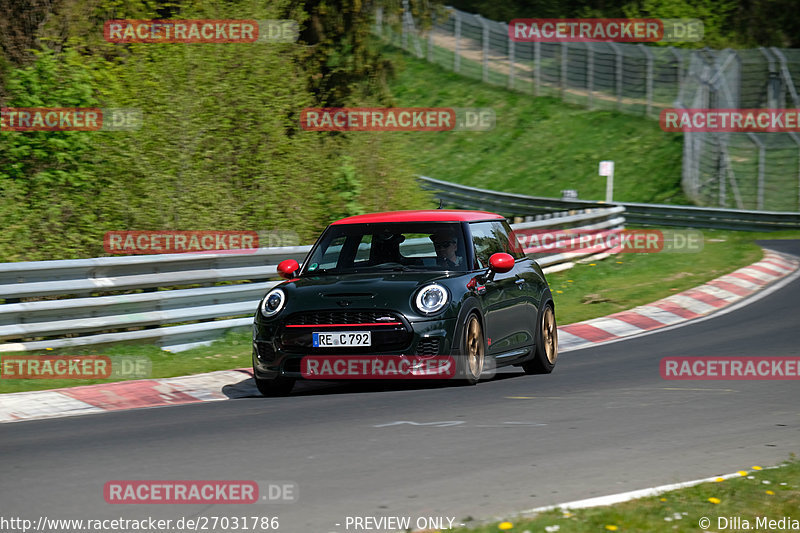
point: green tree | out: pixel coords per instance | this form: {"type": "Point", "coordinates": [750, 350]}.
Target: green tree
{"type": "Point", "coordinates": [46, 186]}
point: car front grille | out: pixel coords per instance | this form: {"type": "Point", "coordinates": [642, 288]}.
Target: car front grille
{"type": "Point", "coordinates": [389, 330]}
{"type": "Point", "coordinates": [342, 317]}
{"type": "Point", "coordinates": [265, 351]}
{"type": "Point", "coordinates": [428, 347]}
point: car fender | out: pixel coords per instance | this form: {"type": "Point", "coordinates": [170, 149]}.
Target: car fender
{"type": "Point", "coordinates": [546, 297]}
{"type": "Point", "coordinates": [469, 305]}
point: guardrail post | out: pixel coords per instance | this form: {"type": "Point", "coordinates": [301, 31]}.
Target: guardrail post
{"type": "Point", "coordinates": [510, 59]}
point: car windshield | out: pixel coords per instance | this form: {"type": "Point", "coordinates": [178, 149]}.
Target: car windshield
{"type": "Point", "coordinates": [349, 248]}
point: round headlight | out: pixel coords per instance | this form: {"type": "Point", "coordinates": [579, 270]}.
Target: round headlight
{"type": "Point", "coordinates": [273, 302]}
{"type": "Point", "coordinates": [431, 299]}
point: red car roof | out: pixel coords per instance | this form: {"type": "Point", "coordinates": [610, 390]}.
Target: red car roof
{"type": "Point", "coordinates": [430, 215]}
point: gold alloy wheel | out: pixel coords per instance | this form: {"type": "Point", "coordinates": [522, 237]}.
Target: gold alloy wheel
{"type": "Point", "coordinates": [474, 347]}
{"type": "Point", "coordinates": [550, 335]}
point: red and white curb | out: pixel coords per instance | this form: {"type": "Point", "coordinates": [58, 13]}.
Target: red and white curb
{"type": "Point", "coordinates": [224, 384]}
{"type": "Point", "coordinates": [90, 399]}
{"type": "Point", "coordinates": [691, 304]}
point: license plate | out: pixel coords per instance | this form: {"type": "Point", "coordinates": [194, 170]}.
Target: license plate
{"type": "Point", "coordinates": [342, 338]}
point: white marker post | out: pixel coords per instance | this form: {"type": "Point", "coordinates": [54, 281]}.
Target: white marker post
{"type": "Point", "coordinates": [607, 169]}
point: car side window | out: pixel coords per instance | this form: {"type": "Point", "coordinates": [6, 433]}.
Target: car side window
{"type": "Point", "coordinates": [331, 254]}
{"type": "Point", "coordinates": [362, 253]}
{"type": "Point", "coordinates": [513, 242]}
{"type": "Point", "coordinates": [493, 237]}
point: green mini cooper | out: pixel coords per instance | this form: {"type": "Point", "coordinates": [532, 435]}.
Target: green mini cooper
{"type": "Point", "coordinates": [406, 287]}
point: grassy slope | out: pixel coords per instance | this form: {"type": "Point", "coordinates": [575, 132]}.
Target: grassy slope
{"type": "Point", "coordinates": [540, 145]}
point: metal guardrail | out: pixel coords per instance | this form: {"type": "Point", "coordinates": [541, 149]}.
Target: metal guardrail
{"type": "Point", "coordinates": [516, 205]}
{"type": "Point", "coordinates": [89, 309]}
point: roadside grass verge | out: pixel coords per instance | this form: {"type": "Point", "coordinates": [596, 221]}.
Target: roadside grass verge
{"type": "Point", "coordinates": [759, 494]}
{"type": "Point", "coordinates": [586, 291]}
{"type": "Point", "coordinates": [624, 281]}
{"type": "Point", "coordinates": [540, 145]}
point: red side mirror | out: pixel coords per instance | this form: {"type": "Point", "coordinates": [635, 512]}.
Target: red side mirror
{"type": "Point", "coordinates": [501, 262]}
{"type": "Point", "coordinates": [288, 268]}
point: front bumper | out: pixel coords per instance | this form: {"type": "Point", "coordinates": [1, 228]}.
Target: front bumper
{"type": "Point", "coordinates": [278, 351]}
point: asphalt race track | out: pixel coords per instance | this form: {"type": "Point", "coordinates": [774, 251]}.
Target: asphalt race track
{"type": "Point", "coordinates": [604, 422]}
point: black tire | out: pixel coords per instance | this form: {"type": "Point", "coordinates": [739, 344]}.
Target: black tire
{"type": "Point", "coordinates": [274, 387]}
{"type": "Point", "coordinates": [471, 357]}
{"type": "Point", "coordinates": [546, 348]}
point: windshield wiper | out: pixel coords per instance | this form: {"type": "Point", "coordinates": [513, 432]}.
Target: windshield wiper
{"type": "Point", "coordinates": [393, 268]}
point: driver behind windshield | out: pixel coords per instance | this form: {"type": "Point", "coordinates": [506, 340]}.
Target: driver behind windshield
{"type": "Point", "coordinates": [445, 243]}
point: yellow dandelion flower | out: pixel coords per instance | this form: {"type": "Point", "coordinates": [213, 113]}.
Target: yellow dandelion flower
{"type": "Point", "coordinates": [505, 525]}
{"type": "Point", "coordinates": [611, 527]}
{"type": "Point", "coordinates": [714, 500]}
{"type": "Point", "coordinates": [592, 264]}
{"type": "Point", "coordinates": [756, 467]}
{"type": "Point", "coordinates": [663, 499]}
{"type": "Point", "coordinates": [559, 292]}
{"type": "Point", "coordinates": [771, 493]}
{"type": "Point", "coordinates": [569, 281]}
{"type": "Point", "coordinates": [719, 479]}
{"type": "Point", "coordinates": [742, 473]}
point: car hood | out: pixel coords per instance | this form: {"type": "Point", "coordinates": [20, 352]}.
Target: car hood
{"type": "Point", "coordinates": [373, 290]}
